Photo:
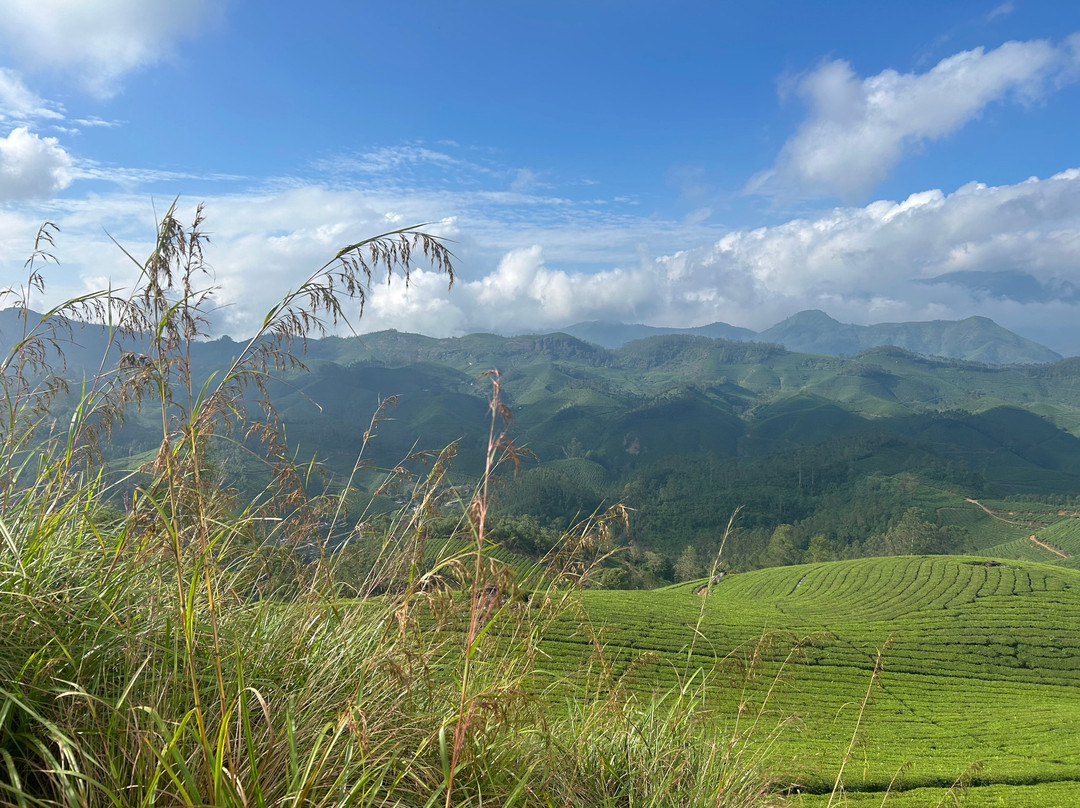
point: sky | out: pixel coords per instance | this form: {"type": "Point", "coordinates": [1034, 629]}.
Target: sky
{"type": "Point", "coordinates": [671, 164]}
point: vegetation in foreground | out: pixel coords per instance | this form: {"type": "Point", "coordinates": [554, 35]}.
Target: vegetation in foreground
{"type": "Point", "coordinates": [198, 648]}
{"type": "Point", "coordinates": [192, 648]}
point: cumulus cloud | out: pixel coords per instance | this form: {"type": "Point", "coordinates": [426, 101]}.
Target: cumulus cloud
{"type": "Point", "coordinates": [32, 167]}
{"type": "Point", "coordinates": [885, 261]}
{"type": "Point", "coordinates": [97, 41]}
{"type": "Point", "coordinates": [861, 264]}
{"type": "Point", "coordinates": [858, 129]}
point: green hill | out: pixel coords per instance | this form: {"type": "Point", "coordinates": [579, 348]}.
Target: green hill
{"type": "Point", "coordinates": [681, 428]}
{"type": "Point", "coordinates": [977, 665]}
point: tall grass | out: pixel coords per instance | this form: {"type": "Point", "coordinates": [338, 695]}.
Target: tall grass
{"type": "Point", "coordinates": [163, 642]}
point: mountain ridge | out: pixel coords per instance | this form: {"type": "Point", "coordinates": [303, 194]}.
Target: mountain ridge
{"type": "Point", "coordinates": [973, 339]}
{"type": "Point", "coordinates": [682, 428]}
{"type": "Point", "coordinates": [976, 338]}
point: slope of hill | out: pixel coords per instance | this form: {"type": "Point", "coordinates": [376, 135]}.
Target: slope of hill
{"type": "Point", "coordinates": [976, 668]}
{"type": "Point", "coordinates": [977, 339]}
{"type": "Point", "coordinates": [681, 428]}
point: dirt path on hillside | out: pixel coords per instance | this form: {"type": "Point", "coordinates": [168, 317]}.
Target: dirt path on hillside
{"type": "Point", "coordinates": [1045, 545]}
{"type": "Point", "coordinates": [1002, 518]}
{"type": "Point", "coordinates": [1050, 547]}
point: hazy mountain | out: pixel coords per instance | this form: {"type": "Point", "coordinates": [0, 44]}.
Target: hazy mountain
{"type": "Point", "coordinates": [815, 332]}
{"type": "Point", "coordinates": [615, 335]}
{"type": "Point", "coordinates": [975, 339]}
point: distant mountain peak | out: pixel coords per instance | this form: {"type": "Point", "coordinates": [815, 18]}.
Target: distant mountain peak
{"type": "Point", "coordinates": [614, 334]}
{"type": "Point", "coordinates": [975, 338]}
{"type": "Point", "coordinates": [810, 316]}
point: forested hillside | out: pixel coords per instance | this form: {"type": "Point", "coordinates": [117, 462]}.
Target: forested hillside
{"type": "Point", "coordinates": [683, 430]}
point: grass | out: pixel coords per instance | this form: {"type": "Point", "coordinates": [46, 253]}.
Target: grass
{"type": "Point", "coordinates": [977, 665]}
{"type": "Point", "coordinates": [166, 643]}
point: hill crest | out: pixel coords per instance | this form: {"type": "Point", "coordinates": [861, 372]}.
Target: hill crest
{"type": "Point", "coordinates": [976, 338]}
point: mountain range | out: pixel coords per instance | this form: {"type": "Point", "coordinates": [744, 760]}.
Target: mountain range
{"type": "Point", "coordinates": [681, 428]}
{"type": "Point", "coordinates": [977, 339]}
{"type": "Point", "coordinates": [684, 429]}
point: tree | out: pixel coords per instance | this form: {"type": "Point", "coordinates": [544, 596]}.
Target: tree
{"type": "Point", "coordinates": [688, 567]}
{"type": "Point", "coordinates": [911, 534]}
{"type": "Point", "coordinates": [658, 564]}
{"type": "Point", "coordinates": [819, 549]}
{"type": "Point", "coordinates": [781, 550]}
{"type": "Point", "coordinates": [616, 578]}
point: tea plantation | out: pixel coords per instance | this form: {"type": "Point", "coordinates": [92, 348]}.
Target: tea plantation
{"type": "Point", "coordinates": [977, 685]}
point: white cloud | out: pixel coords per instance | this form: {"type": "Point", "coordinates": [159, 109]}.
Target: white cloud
{"type": "Point", "coordinates": [390, 159]}
{"type": "Point", "coordinates": [860, 264]}
{"type": "Point", "coordinates": [524, 180]}
{"type": "Point", "coordinates": [32, 167]}
{"type": "Point", "coordinates": [134, 177]}
{"type": "Point", "coordinates": [19, 103]}
{"type": "Point", "coordinates": [858, 129]}
{"type": "Point", "coordinates": [97, 41]}
{"type": "Point", "coordinates": [94, 121]}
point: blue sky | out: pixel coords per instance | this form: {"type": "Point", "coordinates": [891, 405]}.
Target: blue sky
{"type": "Point", "coordinates": [672, 164]}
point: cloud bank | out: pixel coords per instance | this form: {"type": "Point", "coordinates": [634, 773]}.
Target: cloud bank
{"type": "Point", "coordinates": [860, 264]}
{"type": "Point", "coordinates": [995, 251]}
{"type": "Point", "coordinates": [858, 129]}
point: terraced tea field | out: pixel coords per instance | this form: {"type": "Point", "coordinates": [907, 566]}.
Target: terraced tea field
{"type": "Point", "coordinates": [979, 675]}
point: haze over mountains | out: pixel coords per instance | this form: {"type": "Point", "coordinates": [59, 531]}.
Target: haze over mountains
{"type": "Point", "coordinates": [976, 339]}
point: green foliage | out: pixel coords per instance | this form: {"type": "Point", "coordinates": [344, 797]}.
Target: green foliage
{"type": "Point", "coordinates": [688, 566]}
{"type": "Point", "coordinates": [911, 534]}
{"type": "Point", "coordinates": [781, 549]}
{"type": "Point", "coordinates": [976, 655]}
{"type": "Point", "coordinates": [194, 648]}
{"type": "Point", "coordinates": [819, 549]}
{"type": "Point", "coordinates": [682, 429]}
